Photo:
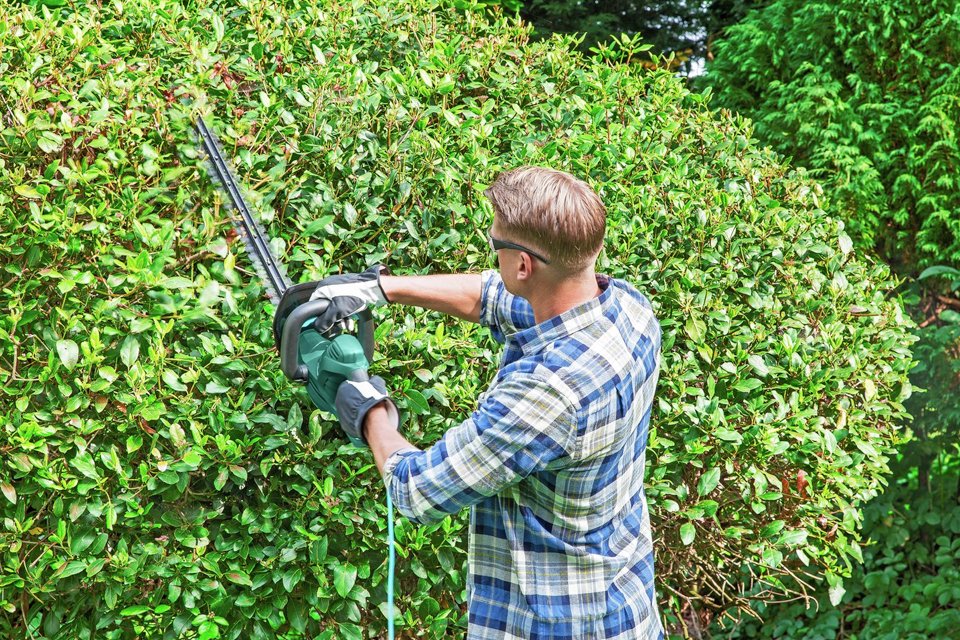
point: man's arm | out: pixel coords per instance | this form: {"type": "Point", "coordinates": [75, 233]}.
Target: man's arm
{"type": "Point", "coordinates": [520, 427]}
{"type": "Point", "coordinates": [454, 294]}
{"type": "Point", "coordinates": [382, 435]}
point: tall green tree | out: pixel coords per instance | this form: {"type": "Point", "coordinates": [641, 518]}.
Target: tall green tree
{"type": "Point", "coordinates": [866, 94]}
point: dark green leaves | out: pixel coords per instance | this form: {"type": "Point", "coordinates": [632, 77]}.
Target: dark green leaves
{"type": "Point", "coordinates": [344, 577]}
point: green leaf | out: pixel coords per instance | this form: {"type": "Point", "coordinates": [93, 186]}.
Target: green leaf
{"type": "Point", "coordinates": [728, 435]}
{"type": "Point", "coordinates": [245, 599]}
{"type": "Point", "coordinates": [708, 481]}
{"type": "Point", "coordinates": [772, 529]}
{"type": "Point", "coordinates": [217, 27]}
{"type": "Point", "coordinates": [687, 533]}
{"type": "Point", "coordinates": [239, 577]}
{"type": "Point", "coordinates": [794, 538]}
{"type": "Point", "coordinates": [939, 270]}
{"type": "Point", "coordinates": [83, 462]}
{"type": "Point", "coordinates": [72, 568]}
{"type": "Point", "coordinates": [9, 492]}
{"type": "Point", "coordinates": [129, 351]}
{"type": "Point", "coordinates": [297, 615]}
{"type": "Point", "coordinates": [69, 353]}
{"type": "Point", "coordinates": [695, 328]}
{"type": "Point", "coordinates": [80, 542]}
{"type": "Point", "coordinates": [748, 385]}
{"type": "Point", "coordinates": [292, 577]}
{"type": "Point", "coordinates": [351, 631]}
{"type": "Point", "coordinates": [758, 365]}
{"type": "Point", "coordinates": [295, 417]}
{"type": "Point", "coordinates": [214, 387]}
{"type": "Point", "coordinates": [836, 589]}
{"type": "Point", "coordinates": [344, 577]}
{"type": "Point", "coordinates": [772, 557]}
{"type": "Point", "coordinates": [134, 442]}
{"type": "Point", "coordinates": [27, 191]}
{"type": "Point", "coordinates": [135, 610]}
{"type": "Point", "coordinates": [846, 244]}
{"type": "Point", "coordinates": [192, 459]}
{"type": "Point", "coordinates": [416, 401]}
{"type": "Point", "coordinates": [221, 480]}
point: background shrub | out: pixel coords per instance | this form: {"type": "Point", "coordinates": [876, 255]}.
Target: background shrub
{"type": "Point", "coordinates": [864, 94]}
{"type": "Point", "coordinates": [870, 106]}
{"type": "Point", "coordinates": [909, 586]}
{"type": "Point", "coordinates": [160, 478]}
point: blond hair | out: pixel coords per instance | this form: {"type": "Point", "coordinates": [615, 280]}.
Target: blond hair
{"type": "Point", "coordinates": [551, 211]}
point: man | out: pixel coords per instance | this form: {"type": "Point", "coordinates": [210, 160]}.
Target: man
{"type": "Point", "coordinates": [551, 463]}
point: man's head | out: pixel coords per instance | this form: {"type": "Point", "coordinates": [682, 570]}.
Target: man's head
{"type": "Point", "coordinates": [552, 213]}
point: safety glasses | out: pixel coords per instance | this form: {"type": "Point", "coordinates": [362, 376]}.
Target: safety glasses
{"type": "Point", "coordinates": [496, 244]}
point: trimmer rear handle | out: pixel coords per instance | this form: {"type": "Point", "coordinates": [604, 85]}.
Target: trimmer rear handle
{"type": "Point", "coordinates": [294, 311]}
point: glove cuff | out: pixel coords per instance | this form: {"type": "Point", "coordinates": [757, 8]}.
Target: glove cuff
{"type": "Point", "coordinates": [381, 270]}
{"type": "Point", "coordinates": [357, 434]}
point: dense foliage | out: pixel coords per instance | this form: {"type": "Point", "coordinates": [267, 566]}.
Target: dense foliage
{"type": "Point", "coordinates": [160, 477]}
{"type": "Point", "coordinates": [865, 94]}
{"type": "Point", "coordinates": [871, 108]}
{"type": "Point", "coordinates": [669, 25]}
{"type": "Point", "coordinates": [684, 28]}
{"type": "Point", "coordinates": [909, 585]}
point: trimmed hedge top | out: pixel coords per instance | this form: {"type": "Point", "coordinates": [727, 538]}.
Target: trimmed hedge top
{"type": "Point", "coordinates": [161, 478]}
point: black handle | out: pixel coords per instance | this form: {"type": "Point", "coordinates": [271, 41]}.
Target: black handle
{"type": "Point", "coordinates": [290, 340]}
{"type": "Point", "coordinates": [292, 298]}
{"type": "Point", "coordinates": [365, 326]}
{"type": "Point", "coordinates": [293, 319]}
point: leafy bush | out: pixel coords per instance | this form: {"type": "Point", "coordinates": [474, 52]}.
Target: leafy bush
{"type": "Point", "coordinates": [909, 585]}
{"type": "Point", "coordinates": [161, 478]}
{"type": "Point", "coordinates": [864, 94]}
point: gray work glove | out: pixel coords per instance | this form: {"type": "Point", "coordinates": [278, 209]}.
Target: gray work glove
{"type": "Point", "coordinates": [348, 294]}
{"type": "Point", "coordinates": [355, 399]}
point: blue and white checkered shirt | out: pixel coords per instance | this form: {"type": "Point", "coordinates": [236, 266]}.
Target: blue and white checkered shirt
{"type": "Point", "coordinates": [551, 464]}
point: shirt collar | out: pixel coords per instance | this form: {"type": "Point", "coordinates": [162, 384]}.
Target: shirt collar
{"type": "Point", "coordinates": [570, 321]}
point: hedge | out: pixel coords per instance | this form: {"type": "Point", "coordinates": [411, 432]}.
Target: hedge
{"type": "Point", "coordinates": [161, 478]}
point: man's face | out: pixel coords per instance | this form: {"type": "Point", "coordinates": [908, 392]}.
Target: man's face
{"type": "Point", "coordinates": [507, 259]}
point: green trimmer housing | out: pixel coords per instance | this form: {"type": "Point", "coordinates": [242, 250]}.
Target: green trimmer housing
{"type": "Point", "coordinates": [323, 362]}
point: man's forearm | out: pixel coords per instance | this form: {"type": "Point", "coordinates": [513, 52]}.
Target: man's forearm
{"type": "Point", "coordinates": [382, 435]}
{"type": "Point", "coordinates": [454, 294]}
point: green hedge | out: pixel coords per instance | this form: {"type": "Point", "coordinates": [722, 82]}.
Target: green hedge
{"type": "Point", "coordinates": [161, 478]}
{"type": "Point", "coordinates": [909, 585]}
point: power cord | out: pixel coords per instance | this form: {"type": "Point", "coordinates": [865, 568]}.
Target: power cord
{"type": "Point", "coordinates": [390, 566]}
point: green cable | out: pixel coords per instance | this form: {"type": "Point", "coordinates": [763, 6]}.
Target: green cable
{"type": "Point", "coordinates": [390, 566]}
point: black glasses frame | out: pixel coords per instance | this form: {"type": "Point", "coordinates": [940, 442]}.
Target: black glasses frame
{"type": "Point", "coordinates": [496, 243]}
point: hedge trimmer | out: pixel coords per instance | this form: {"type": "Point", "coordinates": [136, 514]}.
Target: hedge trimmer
{"type": "Point", "coordinates": [321, 360]}
{"type": "Point", "coordinates": [306, 355]}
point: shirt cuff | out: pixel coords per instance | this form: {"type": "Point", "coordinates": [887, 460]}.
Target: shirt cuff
{"type": "Point", "coordinates": [393, 460]}
{"type": "Point", "coordinates": [490, 290]}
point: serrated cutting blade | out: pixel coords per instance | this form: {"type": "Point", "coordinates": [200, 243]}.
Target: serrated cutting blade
{"type": "Point", "coordinates": [255, 238]}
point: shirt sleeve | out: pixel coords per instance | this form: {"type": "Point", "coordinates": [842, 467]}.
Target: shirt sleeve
{"type": "Point", "coordinates": [500, 310]}
{"type": "Point", "coordinates": [522, 425]}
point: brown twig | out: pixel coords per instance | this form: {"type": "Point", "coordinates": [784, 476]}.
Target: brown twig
{"type": "Point", "coordinates": [950, 302]}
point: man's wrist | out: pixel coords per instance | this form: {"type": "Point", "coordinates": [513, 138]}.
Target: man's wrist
{"type": "Point", "coordinates": [374, 418]}
{"type": "Point", "coordinates": [387, 287]}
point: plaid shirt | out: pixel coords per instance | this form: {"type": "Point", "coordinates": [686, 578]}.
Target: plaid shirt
{"type": "Point", "coordinates": [551, 464]}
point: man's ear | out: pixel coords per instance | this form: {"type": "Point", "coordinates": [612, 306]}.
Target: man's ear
{"type": "Point", "coordinates": [524, 266]}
